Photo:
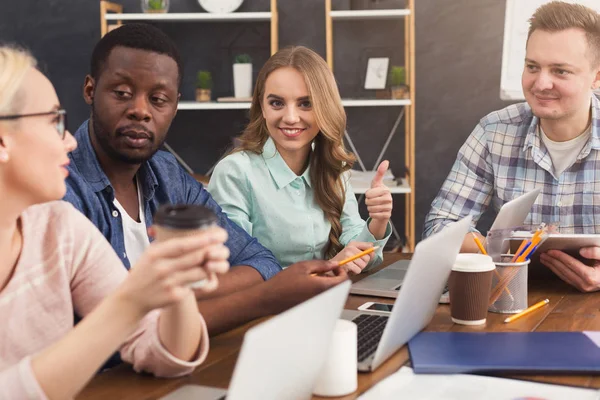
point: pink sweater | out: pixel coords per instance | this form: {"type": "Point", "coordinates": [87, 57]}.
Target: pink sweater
{"type": "Point", "coordinates": [65, 265]}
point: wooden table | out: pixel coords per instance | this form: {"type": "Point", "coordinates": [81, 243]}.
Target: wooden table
{"type": "Point", "coordinates": [568, 310]}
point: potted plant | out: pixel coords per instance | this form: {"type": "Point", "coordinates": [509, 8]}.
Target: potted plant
{"type": "Point", "coordinates": [398, 83]}
{"type": "Point", "coordinates": [203, 86]}
{"type": "Point", "coordinates": [242, 76]}
{"type": "Point", "coordinates": [155, 6]}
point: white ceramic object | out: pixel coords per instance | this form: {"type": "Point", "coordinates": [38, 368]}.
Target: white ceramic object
{"type": "Point", "coordinates": [338, 376]}
{"type": "Point", "coordinates": [220, 6]}
{"type": "Point", "coordinates": [242, 80]}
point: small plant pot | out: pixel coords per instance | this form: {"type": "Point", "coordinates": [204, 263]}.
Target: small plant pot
{"type": "Point", "coordinates": [400, 92]}
{"type": "Point", "coordinates": [242, 80]}
{"type": "Point", "coordinates": [155, 6]}
{"type": "Point", "coordinates": [203, 95]}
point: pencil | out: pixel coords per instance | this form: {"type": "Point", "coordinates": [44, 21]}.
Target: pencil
{"type": "Point", "coordinates": [358, 255]}
{"type": "Point", "coordinates": [527, 311]}
{"type": "Point", "coordinates": [478, 243]}
{"type": "Point", "coordinates": [520, 250]}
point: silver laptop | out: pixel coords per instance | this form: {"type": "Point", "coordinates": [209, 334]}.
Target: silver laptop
{"type": "Point", "coordinates": [280, 358]}
{"type": "Point", "coordinates": [381, 336]}
{"type": "Point", "coordinates": [388, 281]}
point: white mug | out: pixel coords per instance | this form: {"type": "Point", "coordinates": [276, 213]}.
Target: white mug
{"type": "Point", "coordinates": [338, 376]}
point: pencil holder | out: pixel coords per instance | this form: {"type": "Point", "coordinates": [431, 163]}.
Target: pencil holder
{"type": "Point", "coordinates": [509, 286]}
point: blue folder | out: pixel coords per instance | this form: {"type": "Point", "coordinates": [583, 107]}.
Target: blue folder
{"type": "Point", "coordinates": [515, 352]}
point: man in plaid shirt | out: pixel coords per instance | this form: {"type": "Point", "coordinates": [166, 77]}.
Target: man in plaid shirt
{"type": "Point", "coordinates": [552, 142]}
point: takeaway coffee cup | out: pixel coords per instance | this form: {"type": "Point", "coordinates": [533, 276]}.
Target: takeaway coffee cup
{"type": "Point", "coordinates": [172, 221]}
{"type": "Point", "coordinates": [470, 285]}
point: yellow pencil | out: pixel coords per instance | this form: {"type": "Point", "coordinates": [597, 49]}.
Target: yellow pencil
{"type": "Point", "coordinates": [527, 310]}
{"type": "Point", "coordinates": [358, 255]}
{"type": "Point", "coordinates": [478, 243]}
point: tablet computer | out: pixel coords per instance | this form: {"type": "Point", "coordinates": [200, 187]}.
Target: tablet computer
{"type": "Point", "coordinates": [568, 243]}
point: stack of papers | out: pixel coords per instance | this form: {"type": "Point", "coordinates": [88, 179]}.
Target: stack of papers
{"type": "Point", "coordinates": [404, 384]}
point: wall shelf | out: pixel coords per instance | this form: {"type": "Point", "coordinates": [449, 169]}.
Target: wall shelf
{"type": "Point", "coordinates": [213, 105]}
{"type": "Point", "coordinates": [375, 102]}
{"type": "Point", "coordinates": [191, 17]}
{"type": "Point", "coordinates": [369, 14]}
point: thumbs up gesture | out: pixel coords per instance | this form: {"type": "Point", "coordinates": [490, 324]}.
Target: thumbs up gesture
{"type": "Point", "coordinates": [378, 198]}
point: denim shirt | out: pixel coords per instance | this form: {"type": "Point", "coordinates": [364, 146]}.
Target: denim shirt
{"type": "Point", "coordinates": [163, 181]}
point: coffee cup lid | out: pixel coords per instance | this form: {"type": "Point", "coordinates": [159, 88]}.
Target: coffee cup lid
{"type": "Point", "coordinates": [184, 216]}
{"type": "Point", "coordinates": [471, 262]}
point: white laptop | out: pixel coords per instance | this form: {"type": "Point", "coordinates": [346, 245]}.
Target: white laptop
{"type": "Point", "coordinates": [388, 281]}
{"type": "Point", "coordinates": [381, 336]}
{"type": "Point", "coordinates": [280, 358]}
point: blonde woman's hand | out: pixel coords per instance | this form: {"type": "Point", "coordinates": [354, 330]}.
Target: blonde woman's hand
{"type": "Point", "coordinates": [356, 266]}
{"type": "Point", "coordinates": [379, 198]}
{"type": "Point", "coordinates": [165, 271]}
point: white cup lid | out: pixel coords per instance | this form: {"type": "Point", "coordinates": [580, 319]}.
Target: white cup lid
{"type": "Point", "coordinates": [471, 262]}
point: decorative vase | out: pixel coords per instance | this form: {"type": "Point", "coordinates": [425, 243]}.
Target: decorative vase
{"type": "Point", "coordinates": [242, 80]}
{"type": "Point", "coordinates": [203, 95]}
{"type": "Point", "coordinates": [155, 6]}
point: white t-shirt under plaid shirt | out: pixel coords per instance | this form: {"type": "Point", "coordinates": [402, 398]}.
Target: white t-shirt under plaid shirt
{"type": "Point", "coordinates": [505, 157]}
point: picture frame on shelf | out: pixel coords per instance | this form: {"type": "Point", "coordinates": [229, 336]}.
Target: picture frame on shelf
{"type": "Point", "coordinates": [377, 72]}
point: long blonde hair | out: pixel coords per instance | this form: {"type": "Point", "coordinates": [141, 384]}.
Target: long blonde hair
{"type": "Point", "coordinates": [14, 66]}
{"type": "Point", "coordinates": [329, 159]}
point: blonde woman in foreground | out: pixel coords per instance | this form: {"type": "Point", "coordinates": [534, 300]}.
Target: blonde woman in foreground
{"type": "Point", "coordinates": [287, 185]}
{"type": "Point", "coordinates": [55, 262]}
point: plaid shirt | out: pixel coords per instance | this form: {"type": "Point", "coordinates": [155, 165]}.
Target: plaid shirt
{"type": "Point", "coordinates": [503, 158]}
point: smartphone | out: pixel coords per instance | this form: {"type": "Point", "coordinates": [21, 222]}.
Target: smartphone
{"type": "Point", "coordinates": [377, 307]}
{"type": "Point", "coordinates": [387, 308]}
{"type": "Point", "coordinates": [445, 297]}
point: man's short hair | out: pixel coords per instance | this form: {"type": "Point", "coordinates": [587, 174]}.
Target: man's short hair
{"type": "Point", "coordinates": [558, 16]}
{"type": "Point", "coordinates": [134, 36]}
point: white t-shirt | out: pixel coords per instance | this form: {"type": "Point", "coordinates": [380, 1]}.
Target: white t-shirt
{"type": "Point", "coordinates": [135, 233]}
{"type": "Point", "coordinates": [564, 154]}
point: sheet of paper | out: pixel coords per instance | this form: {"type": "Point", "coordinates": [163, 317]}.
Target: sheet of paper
{"type": "Point", "coordinates": [404, 384]}
{"type": "Point", "coordinates": [594, 336]}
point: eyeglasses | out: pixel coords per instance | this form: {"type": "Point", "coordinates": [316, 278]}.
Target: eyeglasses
{"type": "Point", "coordinates": [61, 123]}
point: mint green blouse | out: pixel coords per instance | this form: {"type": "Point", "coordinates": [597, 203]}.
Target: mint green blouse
{"type": "Point", "coordinates": [261, 194]}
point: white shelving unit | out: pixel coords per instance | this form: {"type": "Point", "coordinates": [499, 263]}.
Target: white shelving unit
{"type": "Point", "coordinates": [406, 113]}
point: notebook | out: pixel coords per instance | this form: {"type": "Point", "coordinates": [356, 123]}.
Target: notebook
{"type": "Point", "coordinates": [515, 352]}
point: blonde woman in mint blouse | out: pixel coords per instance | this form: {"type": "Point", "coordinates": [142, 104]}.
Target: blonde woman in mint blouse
{"type": "Point", "coordinates": [287, 184]}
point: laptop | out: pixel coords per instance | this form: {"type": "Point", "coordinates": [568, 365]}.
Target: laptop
{"type": "Point", "coordinates": [380, 336]}
{"type": "Point", "coordinates": [280, 358]}
{"type": "Point", "coordinates": [387, 282]}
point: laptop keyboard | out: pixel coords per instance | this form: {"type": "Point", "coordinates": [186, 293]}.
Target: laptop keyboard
{"type": "Point", "coordinates": [370, 329]}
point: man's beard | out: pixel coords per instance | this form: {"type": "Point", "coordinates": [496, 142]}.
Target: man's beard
{"type": "Point", "coordinates": [103, 137]}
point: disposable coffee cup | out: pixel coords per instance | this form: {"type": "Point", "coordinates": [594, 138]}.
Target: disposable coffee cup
{"type": "Point", "coordinates": [172, 221]}
{"type": "Point", "coordinates": [470, 285]}
{"type": "Point", "coordinates": [338, 375]}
